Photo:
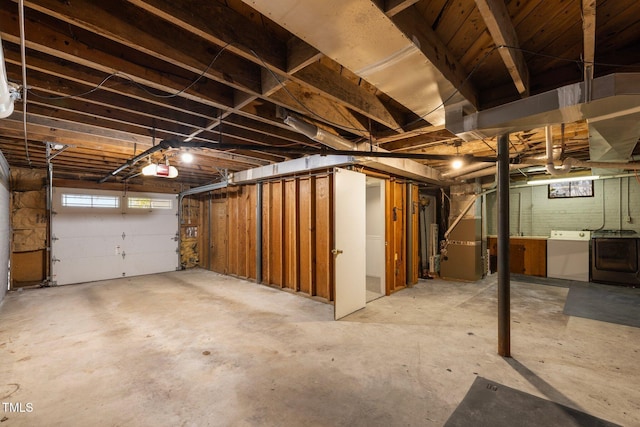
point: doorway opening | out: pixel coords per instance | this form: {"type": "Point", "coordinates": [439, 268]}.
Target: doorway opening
{"type": "Point", "coordinates": [375, 243]}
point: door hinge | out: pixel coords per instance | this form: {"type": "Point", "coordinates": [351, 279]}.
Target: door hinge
{"type": "Point", "coordinates": [123, 254]}
{"type": "Point", "coordinates": [123, 235]}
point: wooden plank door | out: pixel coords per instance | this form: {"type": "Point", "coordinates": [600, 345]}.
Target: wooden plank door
{"type": "Point", "coordinates": [218, 237]}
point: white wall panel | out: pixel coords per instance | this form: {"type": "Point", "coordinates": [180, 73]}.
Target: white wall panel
{"type": "Point", "coordinates": [5, 226]}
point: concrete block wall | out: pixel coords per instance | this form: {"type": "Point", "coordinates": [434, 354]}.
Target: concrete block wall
{"type": "Point", "coordinates": [532, 213]}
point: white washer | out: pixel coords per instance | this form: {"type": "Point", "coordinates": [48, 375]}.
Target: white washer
{"type": "Point", "coordinates": [568, 255]}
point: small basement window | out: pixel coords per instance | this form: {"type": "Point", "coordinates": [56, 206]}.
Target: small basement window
{"type": "Point", "coordinates": [147, 203]}
{"type": "Point", "coordinates": [90, 201]}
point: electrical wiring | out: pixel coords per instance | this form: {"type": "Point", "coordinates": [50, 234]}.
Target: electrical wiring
{"type": "Point", "coordinates": [140, 86]}
{"type": "Point", "coordinates": [282, 83]}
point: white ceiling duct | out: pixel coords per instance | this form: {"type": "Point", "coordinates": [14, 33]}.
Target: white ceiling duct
{"type": "Point", "coordinates": [402, 167]}
{"type": "Point", "coordinates": [360, 37]}
{"type": "Point", "coordinates": [8, 92]}
{"type": "Point", "coordinates": [613, 115]}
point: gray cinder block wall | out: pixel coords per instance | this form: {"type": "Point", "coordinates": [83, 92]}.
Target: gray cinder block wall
{"type": "Point", "coordinates": [532, 213]}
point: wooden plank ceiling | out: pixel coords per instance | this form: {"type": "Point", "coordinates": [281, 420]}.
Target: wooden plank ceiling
{"type": "Point", "coordinates": [111, 79]}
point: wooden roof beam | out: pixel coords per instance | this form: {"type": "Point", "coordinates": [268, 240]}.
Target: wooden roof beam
{"type": "Point", "coordinates": [589, 37]}
{"type": "Point", "coordinates": [216, 23]}
{"type": "Point", "coordinates": [393, 7]}
{"type": "Point", "coordinates": [410, 23]}
{"type": "Point", "coordinates": [496, 17]}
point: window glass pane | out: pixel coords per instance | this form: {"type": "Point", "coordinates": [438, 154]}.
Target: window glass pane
{"type": "Point", "coordinates": [147, 203]}
{"type": "Point", "coordinates": [90, 201]}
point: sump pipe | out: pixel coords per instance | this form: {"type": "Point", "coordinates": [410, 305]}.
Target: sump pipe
{"type": "Point", "coordinates": [550, 166]}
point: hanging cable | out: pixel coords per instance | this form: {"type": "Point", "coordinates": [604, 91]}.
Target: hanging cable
{"type": "Point", "coordinates": [282, 84]}
{"type": "Point", "coordinates": [24, 80]}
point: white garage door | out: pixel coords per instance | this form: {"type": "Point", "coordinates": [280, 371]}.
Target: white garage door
{"type": "Point", "coordinates": [101, 234]}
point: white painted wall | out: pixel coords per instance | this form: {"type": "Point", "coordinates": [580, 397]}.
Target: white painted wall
{"type": "Point", "coordinates": [375, 227]}
{"type": "Point", "coordinates": [614, 200]}
{"type": "Point", "coordinates": [5, 226]}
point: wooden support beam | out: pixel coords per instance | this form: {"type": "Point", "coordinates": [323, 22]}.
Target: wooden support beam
{"type": "Point", "coordinates": [436, 51]}
{"type": "Point", "coordinates": [166, 45]}
{"type": "Point", "coordinates": [394, 7]}
{"type": "Point", "coordinates": [496, 17]}
{"type": "Point", "coordinates": [589, 41]}
{"type": "Point", "coordinates": [217, 23]}
{"type": "Point", "coordinates": [300, 55]}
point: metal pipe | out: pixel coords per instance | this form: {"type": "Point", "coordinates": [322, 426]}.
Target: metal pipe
{"type": "Point", "coordinates": [204, 188]}
{"type": "Point", "coordinates": [50, 213]}
{"type": "Point", "coordinates": [210, 234]}
{"type": "Point", "coordinates": [8, 93]}
{"type": "Point", "coordinates": [23, 60]}
{"type": "Point", "coordinates": [180, 200]}
{"type": "Point", "coordinates": [467, 170]}
{"type": "Point", "coordinates": [551, 168]}
{"type": "Point", "coordinates": [504, 303]}
{"type": "Point", "coordinates": [409, 216]}
{"type": "Point", "coordinates": [460, 215]}
{"type": "Point", "coordinates": [259, 233]}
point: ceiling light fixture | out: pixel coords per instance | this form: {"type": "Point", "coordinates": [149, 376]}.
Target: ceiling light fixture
{"type": "Point", "coordinates": [457, 163]}
{"type": "Point", "coordinates": [186, 157]}
{"type": "Point", "coordinates": [567, 179]}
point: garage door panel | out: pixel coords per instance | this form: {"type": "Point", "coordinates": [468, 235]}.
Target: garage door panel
{"type": "Point", "coordinates": [95, 246]}
{"type": "Point", "coordinates": [97, 243]}
{"type": "Point", "coordinates": [87, 225]}
{"type": "Point", "coordinates": [138, 264]}
{"type": "Point", "coordinates": [86, 268]}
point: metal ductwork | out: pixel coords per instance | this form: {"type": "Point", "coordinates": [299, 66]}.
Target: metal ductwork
{"type": "Point", "coordinates": [359, 36]}
{"type": "Point", "coordinates": [402, 167]}
{"type": "Point", "coordinates": [455, 173]}
{"type": "Point", "coordinates": [613, 115]}
{"type": "Point", "coordinates": [614, 96]}
{"type": "Point", "coordinates": [315, 133]}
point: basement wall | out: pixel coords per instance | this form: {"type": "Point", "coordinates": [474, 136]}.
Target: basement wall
{"type": "Point", "coordinates": [532, 213]}
{"type": "Point", "coordinates": [297, 233]}
{"type": "Point", "coordinates": [5, 226]}
{"type": "Point", "coordinates": [29, 221]}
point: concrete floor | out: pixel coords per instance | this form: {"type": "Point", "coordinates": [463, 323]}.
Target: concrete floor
{"type": "Point", "coordinates": [194, 348]}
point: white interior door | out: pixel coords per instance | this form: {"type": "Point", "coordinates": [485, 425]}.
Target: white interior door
{"type": "Point", "coordinates": [349, 242]}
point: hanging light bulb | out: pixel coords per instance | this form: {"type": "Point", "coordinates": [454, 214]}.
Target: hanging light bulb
{"type": "Point", "coordinates": [186, 157]}
{"type": "Point", "coordinates": [457, 162]}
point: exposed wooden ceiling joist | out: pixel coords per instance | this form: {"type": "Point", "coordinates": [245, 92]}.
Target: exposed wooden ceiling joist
{"type": "Point", "coordinates": [99, 72]}
{"type": "Point", "coordinates": [496, 17]}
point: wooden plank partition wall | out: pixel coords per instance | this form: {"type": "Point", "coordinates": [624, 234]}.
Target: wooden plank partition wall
{"type": "Point", "coordinates": [415, 209]}
{"type": "Point", "coordinates": [291, 226]}
{"type": "Point", "coordinates": [396, 236]}
{"type": "Point", "coordinates": [297, 233]}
